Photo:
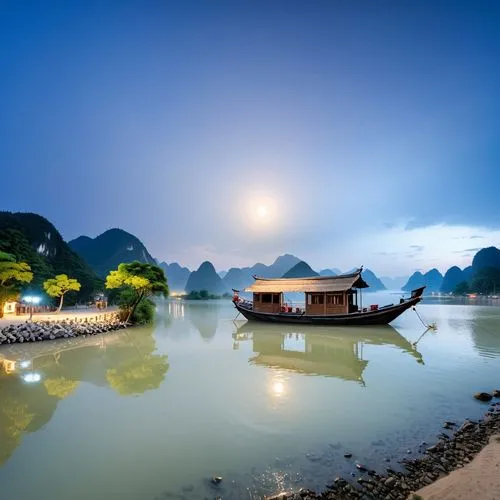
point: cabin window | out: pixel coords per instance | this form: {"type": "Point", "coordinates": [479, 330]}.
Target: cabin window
{"type": "Point", "coordinates": [276, 298]}
{"type": "Point", "coordinates": [336, 299]}
{"type": "Point", "coordinates": [256, 297]}
{"type": "Point", "coordinates": [267, 298]}
{"type": "Point", "coordinates": [316, 299]}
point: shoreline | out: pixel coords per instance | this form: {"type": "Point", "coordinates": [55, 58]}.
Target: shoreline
{"type": "Point", "coordinates": [58, 328]}
{"type": "Point", "coordinates": [454, 463]}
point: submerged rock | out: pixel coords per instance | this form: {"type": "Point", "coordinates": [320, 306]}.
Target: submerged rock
{"type": "Point", "coordinates": [483, 396]}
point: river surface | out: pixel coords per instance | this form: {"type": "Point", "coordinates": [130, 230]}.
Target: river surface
{"type": "Point", "coordinates": [153, 413]}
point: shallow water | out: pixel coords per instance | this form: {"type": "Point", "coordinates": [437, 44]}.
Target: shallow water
{"type": "Point", "coordinates": [155, 412]}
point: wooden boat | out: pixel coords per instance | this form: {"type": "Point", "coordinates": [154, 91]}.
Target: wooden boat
{"type": "Point", "coordinates": [329, 300]}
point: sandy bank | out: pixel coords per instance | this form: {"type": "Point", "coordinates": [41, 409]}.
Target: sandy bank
{"type": "Point", "coordinates": [478, 480]}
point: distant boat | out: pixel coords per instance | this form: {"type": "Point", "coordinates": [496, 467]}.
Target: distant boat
{"type": "Point", "coordinates": [329, 300]}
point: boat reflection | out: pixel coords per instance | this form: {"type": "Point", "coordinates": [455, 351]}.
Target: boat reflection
{"type": "Point", "coordinates": [328, 352]}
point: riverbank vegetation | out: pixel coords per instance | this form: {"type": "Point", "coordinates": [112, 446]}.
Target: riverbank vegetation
{"type": "Point", "coordinates": [204, 295]}
{"type": "Point", "coordinates": [485, 282]}
{"type": "Point", "coordinates": [137, 282]}
{"type": "Point", "coordinates": [13, 275]}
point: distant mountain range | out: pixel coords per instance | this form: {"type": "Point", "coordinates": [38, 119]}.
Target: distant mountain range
{"type": "Point", "coordinates": [34, 239]}
{"type": "Point", "coordinates": [373, 281]}
{"type": "Point", "coordinates": [330, 272]}
{"type": "Point", "coordinates": [300, 270]}
{"type": "Point", "coordinates": [394, 283]}
{"type": "Point", "coordinates": [105, 252]}
{"type": "Point", "coordinates": [239, 278]}
{"type": "Point", "coordinates": [205, 278]}
{"type": "Point", "coordinates": [177, 276]}
{"type": "Point", "coordinates": [453, 277]}
{"type": "Point", "coordinates": [434, 281]}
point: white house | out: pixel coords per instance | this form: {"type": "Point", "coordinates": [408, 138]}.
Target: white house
{"type": "Point", "coordinates": [9, 307]}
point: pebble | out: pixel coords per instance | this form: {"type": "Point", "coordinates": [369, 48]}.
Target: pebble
{"type": "Point", "coordinates": [448, 453]}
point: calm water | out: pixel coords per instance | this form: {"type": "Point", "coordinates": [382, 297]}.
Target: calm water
{"type": "Point", "coordinates": [153, 413]}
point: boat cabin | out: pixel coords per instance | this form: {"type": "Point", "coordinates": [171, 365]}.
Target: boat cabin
{"type": "Point", "coordinates": [324, 295]}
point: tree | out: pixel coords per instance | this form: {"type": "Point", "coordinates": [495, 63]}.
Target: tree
{"type": "Point", "coordinates": [135, 367]}
{"type": "Point", "coordinates": [60, 386]}
{"type": "Point", "coordinates": [59, 286]}
{"type": "Point", "coordinates": [12, 275]}
{"type": "Point", "coordinates": [462, 288]}
{"type": "Point", "coordinates": [142, 279]}
{"type": "Point", "coordinates": [487, 280]}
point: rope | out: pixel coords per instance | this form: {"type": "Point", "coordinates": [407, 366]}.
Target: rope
{"type": "Point", "coordinates": [431, 326]}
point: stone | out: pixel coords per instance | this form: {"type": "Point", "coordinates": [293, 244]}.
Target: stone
{"type": "Point", "coordinates": [483, 396]}
{"type": "Point", "coordinates": [361, 467]}
{"type": "Point", "coordinates": [347, 455]}
{"type": "Point", "coordinates": [216, 479]}
{"type": "Point", "coordinates": [390, 482]}
{"type": "Point", "coordinates": [496, 393]}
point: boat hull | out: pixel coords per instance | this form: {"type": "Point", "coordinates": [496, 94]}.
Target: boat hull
{"type": "Point", "coordinates": [382, 316]}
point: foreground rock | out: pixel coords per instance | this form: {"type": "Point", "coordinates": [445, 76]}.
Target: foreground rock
{"type": "Point", "coordinates": [448, 454]}
{"type": "Point", "coordinates": [50, 330]}
{"type": "Point", "coordinates": [483, 396]}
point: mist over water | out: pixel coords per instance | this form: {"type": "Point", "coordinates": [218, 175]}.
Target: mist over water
{"type": "Point", "coordinates": [155, 412]}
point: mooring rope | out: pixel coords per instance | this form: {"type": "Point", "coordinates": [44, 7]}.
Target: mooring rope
{"type": "Point", "coordinates": [431, 326]}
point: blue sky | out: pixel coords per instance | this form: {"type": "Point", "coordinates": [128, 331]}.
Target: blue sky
{"type": "Point", "coordinates": [347, 133]}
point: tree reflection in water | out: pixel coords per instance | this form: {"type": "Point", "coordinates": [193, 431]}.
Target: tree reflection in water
{"type": "Point", "coordinates": [125, 361]}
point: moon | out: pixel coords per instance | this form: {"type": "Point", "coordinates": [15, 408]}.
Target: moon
{"type": "Point", "coordinates": [262, 211]}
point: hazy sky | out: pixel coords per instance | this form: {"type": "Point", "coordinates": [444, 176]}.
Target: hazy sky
{"type": "Point", "coordinates": [345, 132]}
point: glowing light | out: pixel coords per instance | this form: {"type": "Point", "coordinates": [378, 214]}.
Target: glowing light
{"type": "Point", "coordinates": [32, 377]}
{"type": "Point", "coordinates": [262, 211]}
{"type": "Point", "coordinates": [31, 299]}
{"type": "Point", "coordinates": [278, 388]}
{"type": "Point", "coordinates": [25, 364]}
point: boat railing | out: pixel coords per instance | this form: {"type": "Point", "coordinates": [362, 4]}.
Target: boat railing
{"type": "Point", "coordinates": [293, 307]}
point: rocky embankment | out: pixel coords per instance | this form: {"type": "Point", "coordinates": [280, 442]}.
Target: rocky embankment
{"type": "Point", "coordinates": [449, 453]}
{"type": "Point", "coordinates": [51, 330]}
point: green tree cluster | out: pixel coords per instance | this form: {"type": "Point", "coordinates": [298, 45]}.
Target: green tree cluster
{"type": "Point", "coordinates": [486, 282]}
{"type": "Point", "coordinates": [138, 281]}
{"type": "Point", "coordinates": [204, 295]}
{"type": "Point", "coordinates": [13, 275]}
{"type": "Point", "coordinates": [60, 286]}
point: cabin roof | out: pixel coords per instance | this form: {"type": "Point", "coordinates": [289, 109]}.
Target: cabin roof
{"type": "Point", "coordinates": [321, 284]}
